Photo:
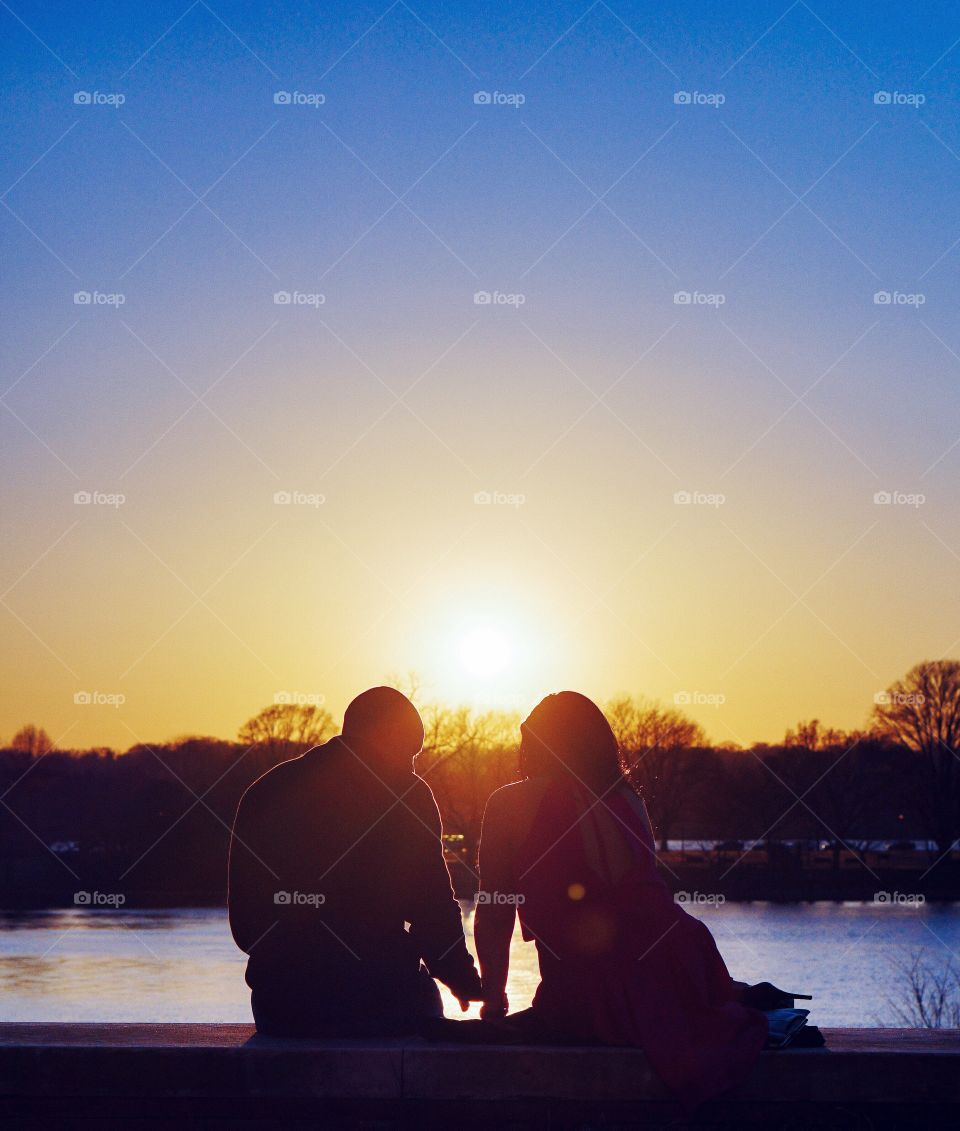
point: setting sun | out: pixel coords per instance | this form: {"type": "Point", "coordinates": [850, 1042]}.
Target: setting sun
{"type": "Point", "coordinates": [485, 652]}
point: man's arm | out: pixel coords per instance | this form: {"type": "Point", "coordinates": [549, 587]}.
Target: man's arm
{"type": "Point", "coordinates": [250, 885]}
{"type": "Point", "coordinates": [436, 925]}
{"type": "Point", "coordinates": [494, 920]}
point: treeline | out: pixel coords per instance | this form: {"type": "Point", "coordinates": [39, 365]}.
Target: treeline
{"type": "Point", "coordinates": [824, 786]}
{"type": "Point", "coordinates": [153, 823]}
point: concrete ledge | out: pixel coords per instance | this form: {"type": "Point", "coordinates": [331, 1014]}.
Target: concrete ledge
{"type": "Point", "coordinates": [160, 1075]}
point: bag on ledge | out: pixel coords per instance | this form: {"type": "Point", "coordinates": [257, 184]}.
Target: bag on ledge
{"type": "Point", "coordinates": [789, 1028]}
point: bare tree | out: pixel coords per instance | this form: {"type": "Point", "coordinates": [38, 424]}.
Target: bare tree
{"type": "Point", "coordinates": [283, 725]}
{"type": "Point", "coordinates": [813, 735]}
{"type": "Point", "coordinates": [32, 740]}
{"type": "Point", "coordinates": [929, 994]}
{"type": "Point", "coordinates": [922, 711]}
{"type": "Point", "coordinates": [655, 742]}
{"type": "Point", "coordinates": [466, 756]}
{"type": "Point", "coordinates": [411, 684]}
{"type": "Point", "coordinates": [842, 776]}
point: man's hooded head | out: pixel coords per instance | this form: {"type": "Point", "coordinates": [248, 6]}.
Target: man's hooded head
{"type": "Point", "coordinates": [384, 720]}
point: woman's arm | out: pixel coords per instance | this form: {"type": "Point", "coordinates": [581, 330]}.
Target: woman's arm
{"type": "Point", "coordinates": [765, 995]}
{"type": "Point", "coordinates": [496, 902]}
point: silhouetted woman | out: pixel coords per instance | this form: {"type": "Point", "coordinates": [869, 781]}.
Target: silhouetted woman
{"type": "Point", "coordinates": [570, 848]}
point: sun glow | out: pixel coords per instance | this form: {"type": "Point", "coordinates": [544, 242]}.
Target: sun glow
{"type": "Point", "coordinates": [485, 652]}
{"type": "Point", "coordinates": [488, 647]}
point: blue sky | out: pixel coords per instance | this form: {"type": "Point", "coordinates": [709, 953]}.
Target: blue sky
{"type": "Point", "coordinates": [781, 195]}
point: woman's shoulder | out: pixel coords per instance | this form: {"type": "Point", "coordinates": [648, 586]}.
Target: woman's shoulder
{"type": "Point", "coordinates": [511, 792]}
{"type": "Point", "coordinates": [515, 798]}
{"type": "Point", "coordinates": [507, 820]}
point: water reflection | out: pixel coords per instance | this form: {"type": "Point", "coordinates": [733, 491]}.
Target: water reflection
{"type": "Point", "coordinates": [181, 964]}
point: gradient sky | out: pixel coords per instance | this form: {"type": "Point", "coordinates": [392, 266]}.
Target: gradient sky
{"type": "Point", "coordinates": [797, 399]}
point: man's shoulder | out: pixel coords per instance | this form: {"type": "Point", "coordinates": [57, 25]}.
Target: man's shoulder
{"type": "Point", "coordinates": [419, 793]}
{"type": "Point", "coordinates": [280, 779]}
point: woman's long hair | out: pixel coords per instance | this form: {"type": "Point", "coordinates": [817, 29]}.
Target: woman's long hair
{"type": "Point", "coordinates": [567, 733]}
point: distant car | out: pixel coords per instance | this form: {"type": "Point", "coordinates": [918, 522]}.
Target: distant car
{"type": "Point", "coordinates": [728, 846]}
{"type": "Point", "coordinates": [454, 847]}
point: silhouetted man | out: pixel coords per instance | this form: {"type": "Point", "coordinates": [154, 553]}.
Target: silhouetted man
{"type": "Point", "coordinates": [339, 892]}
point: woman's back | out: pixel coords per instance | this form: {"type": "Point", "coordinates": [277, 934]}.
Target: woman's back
{"type": "Point", "coordinates": [620, 962]}
{"type": "Point", "coordinates": [585, 867]}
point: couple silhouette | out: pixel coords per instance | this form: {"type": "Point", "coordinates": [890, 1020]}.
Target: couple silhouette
{"type": "Point", "coordinates": [340, 895]}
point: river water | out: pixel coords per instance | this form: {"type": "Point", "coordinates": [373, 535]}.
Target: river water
{"type": "Point", "coordinates": [182, 965]}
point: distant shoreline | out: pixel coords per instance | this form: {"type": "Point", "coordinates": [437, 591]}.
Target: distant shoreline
{"type": "Point", "coordinates": [730, 871]}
